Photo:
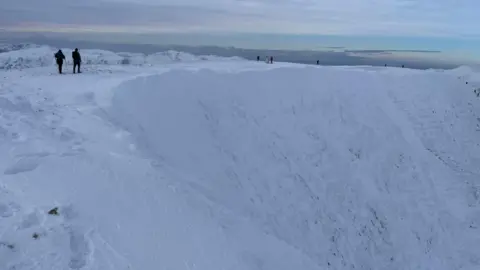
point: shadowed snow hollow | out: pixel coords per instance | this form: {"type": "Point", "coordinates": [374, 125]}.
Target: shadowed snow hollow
{"type": "Point", "coordinates": [355, 169]}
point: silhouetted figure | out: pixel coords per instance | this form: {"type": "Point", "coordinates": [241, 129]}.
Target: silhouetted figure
{"type": "Point", "coordinates": [76, 60]}
{"type": "Point", "coordinates": [403, 66]}
{"type": "Point", "coordinates": [59, 56]}
{"type": "Point", "coordinates": [318, 62]}
{"type": "Point", "coordinates": [385, 64]}
{"type": "Point", "coordinates": [258, 58]}
{"type": "Point", "coordinates": [271, 59]}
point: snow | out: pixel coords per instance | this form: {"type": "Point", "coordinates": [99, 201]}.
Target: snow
{"type": "Point", "coordinates": [218, 164]}
{"type": "Point", "coordinates": [6, 47]}
{"type": "Point", "coordinates": [42, 56]}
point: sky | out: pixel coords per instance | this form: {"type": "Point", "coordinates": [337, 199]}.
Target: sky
{"type": "Point", "coordinates": [446, 25]}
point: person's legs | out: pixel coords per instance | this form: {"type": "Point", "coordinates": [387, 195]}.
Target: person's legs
{"type": "Point", "coordinates": [60, 68]}
{"type": "Point", "coordinates": [76, 65]}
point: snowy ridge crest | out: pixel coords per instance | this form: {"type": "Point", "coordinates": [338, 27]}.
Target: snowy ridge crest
{"type": "Point", "coordinates": [470, 75]}
{"type": "Point", "coordinates": [30, 56]}
{"type": "Point", "coordinates": [4, 47]}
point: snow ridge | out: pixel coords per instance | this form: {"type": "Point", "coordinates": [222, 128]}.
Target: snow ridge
{"type": "Point", "coordinates": [4, 47]}
{"type": "Point", "coordinates": [364, 177]}
{"type": "Point", "coordinates": [30, 56]}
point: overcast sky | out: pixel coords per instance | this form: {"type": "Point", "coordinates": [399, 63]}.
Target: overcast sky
{"type": "Point", "coordinates": [449, 26]}
{"type": "Point", "coordinates": [446, 18]}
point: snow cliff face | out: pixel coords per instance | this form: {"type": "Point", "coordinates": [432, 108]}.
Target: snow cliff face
{"type": "Point", "coordinates": [29, 56]}
{"type": "Point", "coordinates": [357, 170]}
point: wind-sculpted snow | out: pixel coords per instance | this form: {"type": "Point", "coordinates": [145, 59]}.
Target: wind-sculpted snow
{"type": "Point", "coordinates": [356, 170]}
{"type": "Point", "coordinates": [29, 56]}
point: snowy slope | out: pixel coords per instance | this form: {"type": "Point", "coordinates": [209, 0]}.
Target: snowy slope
{"type": "Point", "coordinates": [40, 56]}
{"type": "Point", "coordinates": [239, 165]}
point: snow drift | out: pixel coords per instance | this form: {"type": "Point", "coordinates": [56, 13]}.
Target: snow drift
{"type": "Point", "coordinates": [29, 56]}
{"type": "Point", "coordinates": [369, 172]}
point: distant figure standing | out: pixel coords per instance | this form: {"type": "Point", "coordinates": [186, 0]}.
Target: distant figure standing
{"type": "Point", "coordinates": [403, 66]}
{"type": "Point", "coordinates": [59, 56]}
{"type": "Point", "coordinates": [76, 60]}
{"type": "Point", "coordinates": [271, 59]}
{"type": "Point", "coordinates": [318, 62]}
{"type": "Point", "coordinates": [258, 58]}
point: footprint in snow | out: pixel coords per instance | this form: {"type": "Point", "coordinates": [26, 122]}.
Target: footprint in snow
{"type": "Point", "coordinates": [80, 248]}
{"type": "Point", "coordinates": [87, 98]}
{"type": "Point", "coordinates": [21, 105]}
{"type": "Point", "coordinates": [24, 164]}
{"type": "Point", "coordinates": [3, 132]}
{"type": "Point", "coordinates": [30, 220]}
{"type": "Point", "coordinates": [5, 211]}
{"type": "Point", "coordinates": [8, 209]}
{"type": "Point", "coordinates": [64, 134]}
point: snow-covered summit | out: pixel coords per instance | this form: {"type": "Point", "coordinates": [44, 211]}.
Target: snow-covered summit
{"type": "Point", "coordinates": [238, 165]}
{"type": "Point", "coordinates": [29, 56]}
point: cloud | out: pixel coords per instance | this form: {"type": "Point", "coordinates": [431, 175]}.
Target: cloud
{"type": "Point", "coordinates": [447, 18]}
